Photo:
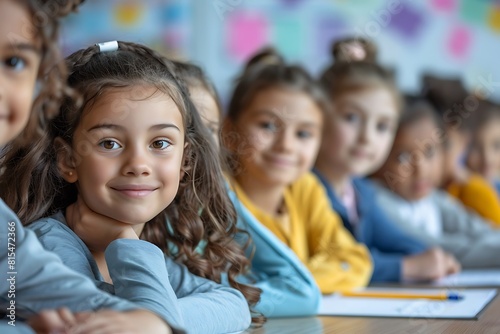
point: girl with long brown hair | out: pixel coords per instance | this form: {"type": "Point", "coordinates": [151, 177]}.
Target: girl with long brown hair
{"type": "Point", "coordinates": [117, 164]}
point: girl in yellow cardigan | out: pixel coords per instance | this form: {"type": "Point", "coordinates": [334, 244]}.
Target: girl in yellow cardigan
{"type": "Point", "coordinates": [273, 131]}
{"type": "Point", "coordinates": [483, 156]}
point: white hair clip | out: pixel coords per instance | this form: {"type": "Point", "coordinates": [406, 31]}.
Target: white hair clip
{"type": "Point", "coordinates": [108, 46]}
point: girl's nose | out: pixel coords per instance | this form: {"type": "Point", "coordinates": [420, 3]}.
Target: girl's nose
{"type": "Point", "coordinates": [366, 132]}
{"type": "Point", "coordinates": [137, 164]}
{"type": "Point", "coordinates": [284, 140]}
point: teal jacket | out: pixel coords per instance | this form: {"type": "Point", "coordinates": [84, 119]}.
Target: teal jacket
{"type": "Point", "coordinates": [288, 288]}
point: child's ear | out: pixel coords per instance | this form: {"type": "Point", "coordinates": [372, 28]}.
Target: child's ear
{"type": "Point", "coordinates": [65, 161]}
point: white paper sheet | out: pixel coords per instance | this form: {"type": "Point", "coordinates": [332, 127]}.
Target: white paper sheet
{"type": "Point", "coordinates": [471, 278]}
{"type": "Point", "coordinates": [468, 308]}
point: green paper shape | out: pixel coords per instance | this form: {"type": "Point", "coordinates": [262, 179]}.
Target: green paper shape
{"type": "Point", "coordinates": [288, 36]}
{"type": "Point", "coordinates": [475, 11]}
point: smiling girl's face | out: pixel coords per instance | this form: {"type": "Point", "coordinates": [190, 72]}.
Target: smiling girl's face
{"type": "Point", "coordinates": [359, 134]}
{"type": "Point", "coordinates": [127, 156]}
{"type": "Point", "coordinates": [280, 133]}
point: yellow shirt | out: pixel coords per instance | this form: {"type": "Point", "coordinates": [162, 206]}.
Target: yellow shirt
{"type": "Point", "coordinates": [318, 237]}
{"type": "Point", "coordinates": [478, 195]}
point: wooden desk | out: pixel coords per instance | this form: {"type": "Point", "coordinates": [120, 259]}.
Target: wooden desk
{"type": "Point", "coordinates": [488, 323]}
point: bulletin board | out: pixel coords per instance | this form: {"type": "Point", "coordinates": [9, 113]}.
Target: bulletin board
{"type": "Point", "coordinates": [455, 38]}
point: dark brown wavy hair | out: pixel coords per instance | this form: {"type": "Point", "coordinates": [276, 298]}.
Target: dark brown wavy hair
{"type": "Point", "coordinates": [201, 210]}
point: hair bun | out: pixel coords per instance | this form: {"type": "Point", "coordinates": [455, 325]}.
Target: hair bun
{"type": "Point", "coordinates": [354, 49]}
{"type": "Point", "coordinates": [265, 57]}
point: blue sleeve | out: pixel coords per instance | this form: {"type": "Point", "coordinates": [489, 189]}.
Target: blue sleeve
{"type": "Point", "coordinates": [386, 266]}
{"type": "Point", "coordinates": [387, 243]}
{"type": "Point", "coordinates": [288, 288]}
{"type": "Point", "coordinates": [207, 307]}
{"type": "Point", "coordinates": [41, 279]}
{"type": "Point", "coordinates": [136, 267]}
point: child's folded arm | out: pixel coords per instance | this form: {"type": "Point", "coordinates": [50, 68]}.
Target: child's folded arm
{"type": "Point", "coordinates": [44, 282]}
{"type": "Point", "coordinates": [207, 307]}
{"type": "Point", "coordinates": [58, 238]}
{"type": "Point", "coordinates": [137, 269]}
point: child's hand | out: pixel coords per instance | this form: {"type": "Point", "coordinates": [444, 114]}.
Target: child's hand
{"type": "Point", "coordinates": [453, 266]}
{"type": "Point", "coordinates": [52, 321]}
{"type": "Point", "coordinates": [97, 231]}
{"type": "Point", "coordinates": [112, 322]}
{"type": "Point", "coordinates": [430, 265]}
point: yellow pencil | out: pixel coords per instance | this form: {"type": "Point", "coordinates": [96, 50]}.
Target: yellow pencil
{"type": "Point", "coordinates": [403, 295]}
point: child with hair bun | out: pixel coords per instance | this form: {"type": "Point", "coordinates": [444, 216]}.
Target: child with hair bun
{"type": "Point", "coordinates": [358, 136]}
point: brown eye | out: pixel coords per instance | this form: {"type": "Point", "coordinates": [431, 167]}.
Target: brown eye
{"type": "Point", "coordinates": [160, 144]}
{"type": "Point", "coordinates": [109, 144]}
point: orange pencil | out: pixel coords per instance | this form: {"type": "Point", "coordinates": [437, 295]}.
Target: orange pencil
{"type": "Point", "coordinates": [403, 295]}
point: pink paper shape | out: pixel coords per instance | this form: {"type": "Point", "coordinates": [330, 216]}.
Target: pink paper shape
{"type": "Point", "coordinates": [444, 5]}
{"type": "Point", "coordinates": [459, 42]}
{"type": "Point", "coordinates": [247, 33]}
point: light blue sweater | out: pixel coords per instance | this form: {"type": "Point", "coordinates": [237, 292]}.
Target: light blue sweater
{"type": "Point", "coordinates": [43, 282]}
{"type": "Point", "coordinates": [288, 288]}
{"type": "Point", "coordinates": [188, 301]}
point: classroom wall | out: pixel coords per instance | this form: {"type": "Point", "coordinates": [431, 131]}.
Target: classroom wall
{"type": "Point", "coordinates": [456, 38]}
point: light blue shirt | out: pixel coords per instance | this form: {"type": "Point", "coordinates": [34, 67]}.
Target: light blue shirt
{"type": "Point", "coordinates": [41, 279]}
{"type": "Point", "coordinates": [196, 304]}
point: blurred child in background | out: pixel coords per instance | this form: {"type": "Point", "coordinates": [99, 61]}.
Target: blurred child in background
{"type": "Point", "coordinates": [409, 195]}
{"type": "Point", "coordinates": [273, 131]}
{"type": "Point", "coordinates": [483, 156]}
{"type": "Point", "coordinates": [288, 288]}
{"type": "Point", "coordinates": [357, 139]}
{"type": "Point", "coordinates": [457, 109]}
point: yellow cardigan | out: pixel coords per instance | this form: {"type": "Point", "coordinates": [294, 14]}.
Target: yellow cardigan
{"type": "Point", "coordinates": [317, 236]}
{"type": "Point", "coordinates": [477, 194]}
